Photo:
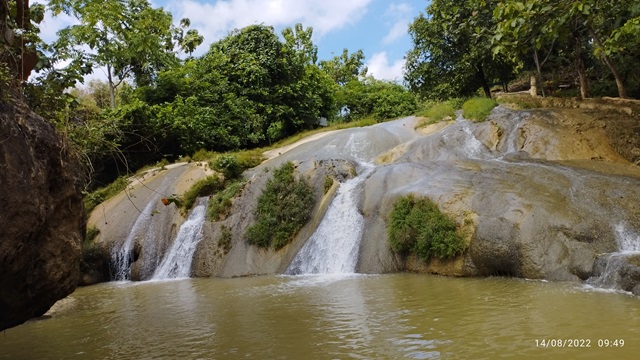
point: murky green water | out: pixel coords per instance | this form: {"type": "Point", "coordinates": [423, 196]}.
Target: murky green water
{"type": "Point", "coordinates": [357, 317]}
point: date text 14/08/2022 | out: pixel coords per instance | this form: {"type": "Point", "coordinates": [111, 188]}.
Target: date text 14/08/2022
{"type": "Point", "coordinates": [578, 343]}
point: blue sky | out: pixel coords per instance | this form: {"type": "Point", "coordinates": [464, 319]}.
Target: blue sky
{"type": "Point", "coordinates": [378, 27]}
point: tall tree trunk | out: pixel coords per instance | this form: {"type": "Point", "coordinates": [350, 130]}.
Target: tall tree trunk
{"type": "Point", "coordinates": [579, 64]}
{"type": "Point", "coordinates": [112, 90]}
{"type": "Point", "coordinates": [483, 81]}
{"type": "Point", "coordinates": [622, 91]}
{"type": "Point", "coordinates": [22, 14]}
{"type": "Point", "coordinates": [539, 71]}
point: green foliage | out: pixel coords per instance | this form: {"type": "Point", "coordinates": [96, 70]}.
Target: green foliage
{"type": "Point", "coordinates": [224, 243]}
{"type": "Point", "coordinates": [451, 56]}
{"type": "Point", "coordinates": [477, 109]}
{"type": "Point", "coordinates": [439, 111]}
{"type": "Point", "coordinates": [378, 99]}
{"type": "Point", "coordinates": [232, 165]}
{"type": "Point", "coordinates": [91, 234]}
{"type": "Point", "coordinates": [345, 67]}
{"type": "Point", "coordinates": [283, 208]}
{"type": "Point", "coordinates": [92, 253]}
{"type": "Point", "coordinates": [328, 183]}
{"type": "Point", "coordinates": [207, 186]}
{"type": "Point", "coordinates": [249, 158]}
{"type": "Point", "coordinates": [202, 155]}
{"type": "Point", "coordinates": [228, 165]}
{"type": "Point", "coordinates": [220, 204]}
{"type": "Point", "coordinates": [521, 102]}
{"type": "Point", "coordinates": [93, 199]}
{"type": "Point", "coordinates": [128, 38]}
{"type": "Point", "coordinates": [417, 226]}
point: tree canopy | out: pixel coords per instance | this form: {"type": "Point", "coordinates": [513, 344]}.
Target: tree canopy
{"type": "Point", "coordinates": [461, 46]}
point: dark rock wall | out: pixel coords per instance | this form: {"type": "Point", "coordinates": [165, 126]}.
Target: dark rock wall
{"type": "Point", "coordinates": [42, 216]}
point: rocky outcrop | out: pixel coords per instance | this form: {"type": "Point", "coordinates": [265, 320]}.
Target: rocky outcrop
{"type": "Point", "coordinates": [242, 259]}
{"type": "Point", "coordinates": [140, 210]}
{"type": "Point", "coordinates": [42, 217]}
{"type": "Point", "coordinates": [539, 194]}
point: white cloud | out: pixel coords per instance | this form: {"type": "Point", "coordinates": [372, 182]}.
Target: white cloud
{"type": "Point", "coordinates": [50, 25]}
{"type": "Point", "coordinates": [398, 16]}
{"type": "Point", "coordinates": [398, 10]}
{"type": "Point", "coordinates": [215, 20]}
{"type": "Point", "coordinates": [398, 30]}
{"type": "Point", "coordinates": [379, 67]}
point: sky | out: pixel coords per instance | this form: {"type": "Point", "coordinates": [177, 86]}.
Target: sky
{"type": "Point", "coordinates": [378, 27]}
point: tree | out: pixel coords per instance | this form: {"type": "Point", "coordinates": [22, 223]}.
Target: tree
{"type": "Point", "coordinates": [603, 28]}
{"type": "Point", "coordinates": [298, 41]}
{"type": "Point", "coordinates": [345, 67]}
{"type": "Point", "coordinates": [129, 38]}
{"type": "Point", "coordinates": [20, 45]}
{"type": "Point", "coordinates": [191, 40]}
{"type": "Point", "coordinates": [451, 53]}
{"type": "Point", "coordinates": [375, 98]}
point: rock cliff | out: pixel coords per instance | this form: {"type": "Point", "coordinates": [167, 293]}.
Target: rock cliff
{"type": "Point", "coordinates": [42, 216]}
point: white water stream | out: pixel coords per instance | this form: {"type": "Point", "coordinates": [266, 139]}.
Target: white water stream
{"type": "Point", "coordinates": [122, 257]}
{"type": "Point", "coordinates": [178, 259]}
{"type": "Point", "coordinates": [628, 245]}
{"type": "Point", "coordinates": [334, 246]}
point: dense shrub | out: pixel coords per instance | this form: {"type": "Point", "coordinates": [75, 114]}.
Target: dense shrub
{"type": "Point", "coordinates": [220, 204]}
{"type": "Point", "coordinates": [228, 165]}
{"type": "Point", "coordinates": [283, 208]}
{"type": "Point", "coordinates": [477, 109]}
{"type": "Point", "coordinates": [231, 165]}
{"type": "Point", "coordinates": [436, 111]}
{"type": "Point", "coordinates": [417, 226]}
{"type": "Point", "coordinates": [204, 187]}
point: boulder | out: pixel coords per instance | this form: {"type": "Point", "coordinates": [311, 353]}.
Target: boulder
{"type": "Point", "coordinates": [42, 216]}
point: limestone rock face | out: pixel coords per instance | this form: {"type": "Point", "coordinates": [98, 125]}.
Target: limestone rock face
{"type": "Point", "coordinates": [42, 217]}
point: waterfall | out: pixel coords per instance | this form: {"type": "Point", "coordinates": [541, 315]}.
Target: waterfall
{"type": "Point", "coordinates": [123, 257]}
{"type": "Point", "coordinates": [177, 261]}
{"type": "Point", "coordinates": [334, 246]}
{"type": "Point", "coordinates": [611, 276]}
{"type": "Point", "coordinates": [628, 242]}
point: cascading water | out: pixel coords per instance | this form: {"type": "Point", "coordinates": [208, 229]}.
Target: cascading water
{"type": "Point", "coordinates": [333, 248]}
{"type": "Point", "coordinates": [122, 257]}
{"type": "Point", "coordinates": [628, 246]}
{"type": "Point", "coordinates": [177, 261]}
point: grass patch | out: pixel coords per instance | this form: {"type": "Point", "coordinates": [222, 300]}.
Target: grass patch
{"type": "Point", "coordinates": [283, 208]}
{"type": "Point", "coordinates": [224, 243]}
{"type": "Point", "coordinates": [328, 183]}
{"type": "Point", "coordinates": [436, 111]}
{"type": "Point", "coordinates": [220, 204]}
{"type": "Point", "coordinates": [418, 227]}
{"type": "Point", "coordinates": [203, 155]}
{"type": "Point", "coordinates": [232, 165]}
{"type": "Point", "coordinates": [95, 198]}
{"type": "Point", "coordinates": [477, 109]}
{"type": "Point", "coordinates": [204, 187]}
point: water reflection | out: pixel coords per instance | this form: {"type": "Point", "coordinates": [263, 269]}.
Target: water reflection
{"type": "Point", "coordinates": [330, 317]}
